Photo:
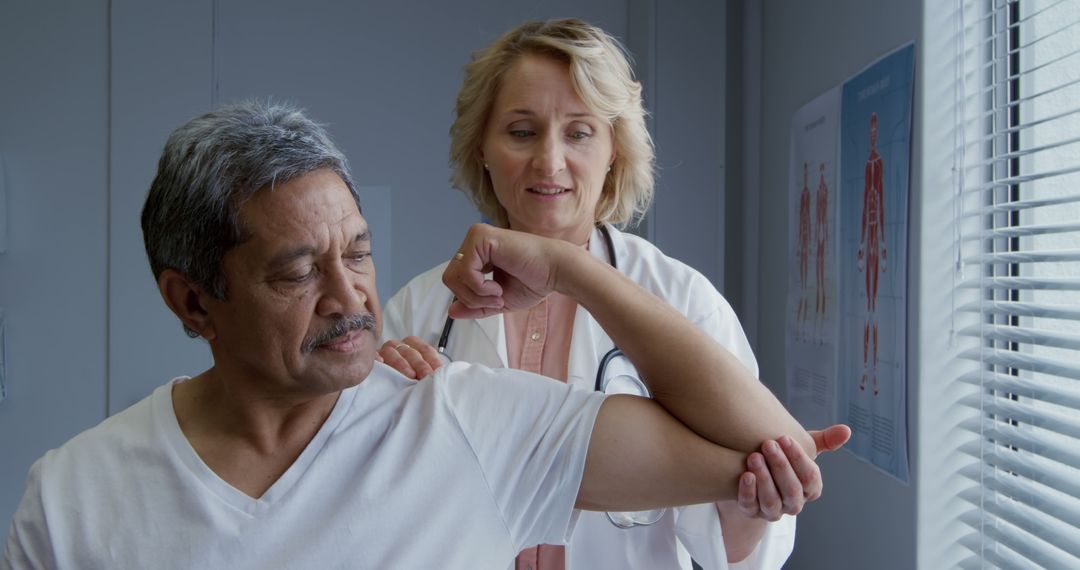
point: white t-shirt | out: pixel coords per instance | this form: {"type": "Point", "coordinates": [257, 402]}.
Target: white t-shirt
{"type": "Point", "coordinates": [462, 470]}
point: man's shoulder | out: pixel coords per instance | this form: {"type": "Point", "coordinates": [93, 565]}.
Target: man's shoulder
{"type": "Point", "coordinates": [125, 434]}
{"type": "Point", "coordinates": [466, 385]}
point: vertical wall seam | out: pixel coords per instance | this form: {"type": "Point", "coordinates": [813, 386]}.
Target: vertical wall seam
{"type": "Point", "coordinates": [213, 54]}
{"type": "Point", "coordinates": [108, 201]}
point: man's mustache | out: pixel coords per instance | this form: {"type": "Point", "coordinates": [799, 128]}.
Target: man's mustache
{"type": "Point", "coordinates": [340, 328]}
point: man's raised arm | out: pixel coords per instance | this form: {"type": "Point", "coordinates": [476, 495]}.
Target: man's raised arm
{"type": "Point", "coordinates": [686, 446]}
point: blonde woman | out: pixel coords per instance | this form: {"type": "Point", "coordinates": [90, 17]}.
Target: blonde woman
{"type": "Point", "coordinates": [550, 138]}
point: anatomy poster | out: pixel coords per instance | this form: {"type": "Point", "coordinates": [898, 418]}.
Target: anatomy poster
{"type": "Point", "coordinates": [875, 146]}
{"type": "Point", "coordinates": [812, 303]}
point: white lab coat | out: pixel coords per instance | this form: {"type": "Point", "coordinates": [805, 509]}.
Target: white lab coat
{"type": "Point", "coordinates": [420, 309]}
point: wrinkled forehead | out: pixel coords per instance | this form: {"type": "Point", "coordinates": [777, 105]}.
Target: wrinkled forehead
{"type": "Point", "coordinates": [315, 208]}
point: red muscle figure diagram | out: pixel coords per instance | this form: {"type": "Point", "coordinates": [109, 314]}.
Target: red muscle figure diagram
{"type": "Point", "coordinates": [872, 255]}
{"type": "Point", "coordinates": [821, 208]}
{"type": "Point", "coordinates": [803, 246]}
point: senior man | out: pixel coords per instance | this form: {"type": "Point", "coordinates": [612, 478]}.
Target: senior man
{"type": "Point", "coordinates": [297, 450]}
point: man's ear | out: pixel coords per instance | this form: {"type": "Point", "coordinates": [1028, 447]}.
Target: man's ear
{"type": "Point", "coordinates": [184, 299]}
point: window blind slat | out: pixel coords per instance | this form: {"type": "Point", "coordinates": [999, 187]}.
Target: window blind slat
{"type": "Point", "coordinates": [988, 20]}
{"type": "Point", "coordinates": [1028, 415]}
{"type": "Point", "coordinates": [1055, 551]}
{"type": "Point", "coordinates": [1022, 309]}
{"type": "Point", "coordinates": [974, 561]}
{"type": "Point", "coordinates": [998, 108]}
{"type": "Point", "coordinates": [1005, 559]}
{"type": "Point", "coordinates": [994, 110]}
{"type": "Point", "coordinates": [1023, 335]}
{"type": "Point", "coordinates": [1023, 283]}
{"type": "Point", "coordinates": [984, 20]}
{"type": "Point", "coordinates": [1026, 387]}
{"type": "Point", "coordinates": [1033, 495]}
{"type": "Point", "coordinates": [1027, 125]}
{"type": "Point", "coordinates": [984, 553]}
{"type": "Point", "coordinates": [1020, 361]}
{"type": "Point", "coordinates": [1005, 182]}
{"type": "Point", "coordinates": [1020, 231]}
{"type": "Point", "coordinates": [1029, 441]}
{"type": "Point", "coordinates": [1029, 256]}
{"type": "Point", "coordinates": [1018, 541]}
{"type": "Point", "coordinates": [1018, 205]}
{"type": "Point", "coordinates": [1032, 467]}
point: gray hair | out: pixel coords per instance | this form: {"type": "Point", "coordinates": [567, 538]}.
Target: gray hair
{"type": "Point", "coordinates": [210, 167]}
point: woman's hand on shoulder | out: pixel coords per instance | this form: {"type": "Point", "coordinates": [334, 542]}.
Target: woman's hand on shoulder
{"type": "Point", "coordinates": [410, 356]}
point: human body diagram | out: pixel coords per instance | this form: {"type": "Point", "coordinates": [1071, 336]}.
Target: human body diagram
{"type": "Point", "coordinates": [803, 251]}
{"type": "Point", "coordinates": [812, 239]}
{"type": "Point", "coordinates": [873, 254]}
{"type": "Point", "coordinates": [821, 209]}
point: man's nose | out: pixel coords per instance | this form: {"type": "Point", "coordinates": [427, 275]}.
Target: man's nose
{"type": "Point", "coordinates": [342, 293]}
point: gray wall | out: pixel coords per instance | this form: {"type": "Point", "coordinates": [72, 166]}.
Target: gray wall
{"type": "Point", "coordinates": [866, 519]}
{"type": "Point", "coordinates": [54, 139]}
{"type": "Point", "coordinates": [91, 90]}
{"type": "Point", "coordinates": [688, 129]}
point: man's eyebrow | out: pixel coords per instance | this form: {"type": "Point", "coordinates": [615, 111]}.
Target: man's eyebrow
{"type": "Point", "coordinates": [288, 256]}
{"type": "Point", "coordinates": [304, 251]}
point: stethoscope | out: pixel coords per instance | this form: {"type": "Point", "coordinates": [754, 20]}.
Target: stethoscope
{"type": "Point", "coordinates": [614, 375]}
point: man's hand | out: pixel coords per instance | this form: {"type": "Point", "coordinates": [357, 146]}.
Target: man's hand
{"type": "Point", "coordinates": [524, 269]}
{"type": "Point", "coordinates": [410, 356]}
{"type": "Point", "coordinates": [782, 478]}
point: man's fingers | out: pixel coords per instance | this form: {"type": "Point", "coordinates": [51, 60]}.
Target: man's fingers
{"type": "Point", "coordinates": [747, 500]}
{"type": "Point", "coordinates": [769, 501]}
{"type": "Point", "coordinates": [459, 310]}
{"type": "Point", "coordinates": [785, 480]}
{"type": "Point", "coordinates": [466, 275]}
{"type": "Point", "coordinates": [807, 471]}
{"type": "Point", "coordinates": [471, 294]}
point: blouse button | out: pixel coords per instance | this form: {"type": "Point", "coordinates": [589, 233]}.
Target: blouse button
{"type": "Point", "coordinates": [536, 335]}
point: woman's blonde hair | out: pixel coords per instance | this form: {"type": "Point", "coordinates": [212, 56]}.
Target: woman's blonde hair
{"type": "Point", "coordinates": [601, 75]}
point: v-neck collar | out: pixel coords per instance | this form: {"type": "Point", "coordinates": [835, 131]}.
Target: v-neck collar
{"type": "Point", "coordinates": [165, 420]}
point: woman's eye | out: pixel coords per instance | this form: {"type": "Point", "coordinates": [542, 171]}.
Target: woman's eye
{"type": "Point", "coordinates": [580, 135]}
{"type": "Point", "coordinates": [521, 133]}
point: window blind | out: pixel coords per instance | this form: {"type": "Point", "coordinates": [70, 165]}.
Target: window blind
{"type": "Point", "coordinates": [1018, 256]}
